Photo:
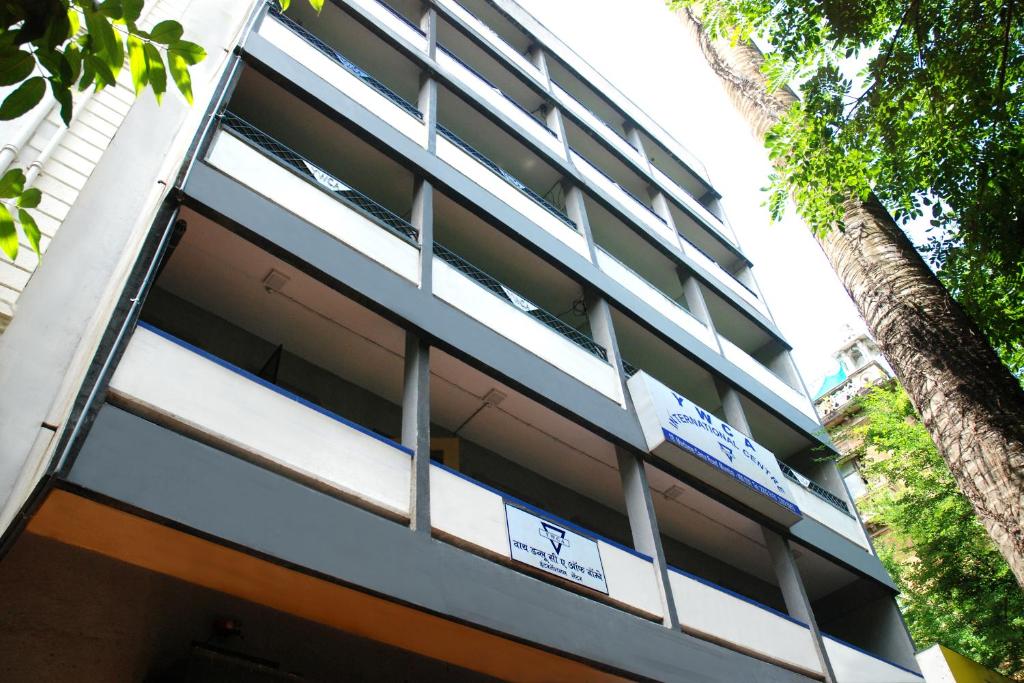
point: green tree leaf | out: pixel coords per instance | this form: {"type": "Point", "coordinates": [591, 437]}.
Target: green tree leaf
{"type": "Point", "coordinates": [317, 5]}
{"type": "Point", "coordinates": [166, 32]}
{"type": "Point", "coordinates": [25, 97]}
{"type": "Point", "coordinates": [8, 235]}
{"type": "Point", "coordinates": [31, 230]}
{"type": "Point", "coordinates": [179, 72]}
{"type": "Point", "coordinates": [30, 198]}
{"type": "Point", "coordinates": [12, 183]}
{"type": "Point", "coordinates": [156, 71]}
{"type": "Point", "coordinates": [15, 67]}
{"type": "Point", "coordinates": [190, 52]}
{"type": "Point", "coordinates": [137, 64]}
{"type": "Point", "coordinates": [133, 10]}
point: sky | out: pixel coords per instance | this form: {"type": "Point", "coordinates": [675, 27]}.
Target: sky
{"type": "Point", "coordinates": [643, 50]}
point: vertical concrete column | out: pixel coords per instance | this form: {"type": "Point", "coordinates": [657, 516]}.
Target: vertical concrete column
{"type": "Point", "coordinates": [416, 428]}
{"type": "Point", "coordinates": [427, 100]}
{"type": "Point", "coordinates": [798, 605]}
{"type": "Point", "coordinates": [552, 114]}
{"type": "Point", "coordinates": [633, 138]}
{"type": "Point", "coordinates": [660, 206]}
{"type": "Point", "coordinates": [643, 524]}
{"type": "Point", "coordinates": [576, 210]}
{"type": "Point", "coordinates": [732, 407]}
{"type": "Point", "coordinates": [695, 302]}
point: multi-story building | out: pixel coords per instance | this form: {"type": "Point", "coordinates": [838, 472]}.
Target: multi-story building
{"type": "Point", "coordinates": [413, 350]}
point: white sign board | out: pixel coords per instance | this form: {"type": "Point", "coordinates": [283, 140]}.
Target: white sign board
{"type": "Point", "coordinates": [554, 549]}
{"type": "Point", "coordinates": [698, 442]}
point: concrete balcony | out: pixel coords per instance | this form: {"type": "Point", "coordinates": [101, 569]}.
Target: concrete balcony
{"type": "Point", "coordinates": [709, 219]}
{"type": "Point", "coordinates": [827, 508]}
{"type": "Point", "coordinates": [653, 296]}
{"type": "Point", "coordinates": [386, 16]}
{"type": "Point", "coordinates": [506, 187]}
{"type": "Point", "coordinates": [496, 41]}
{"type": "Point", "coordinates": [472, 80]}
{"type": "Point", "coordinates": [519, 320]}
{"type": "Point", "coordinates": [853, 665]}
{"type": "Point", "coordinates": [322, 59]}
{"type": "Point", "coordinates": [180, 385]}
{"type": "Point", "coordinates": [272, 170]}
{"type": "Point", "coordinates": [641, 213]}
{"type": "Point", "coordinates": [581, 112]}
{"type": "Point", "coordinates": [712, 612]}
{"type": "Point", "coordinates": [722, 275]}
{"type": "Point", "coordinates": [769, 379]}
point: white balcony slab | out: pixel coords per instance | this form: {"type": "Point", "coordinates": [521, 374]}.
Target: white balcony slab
{"type": "Point", "coordinates": [687, 200]}
{"type": "Point", "coordinates": [711, 612]}
{"type": "Point", "coordinates": [170, 382]}
{"type": "Point", "coordinates": [310, 202]}
{"type": "Point", "coordinates": [500, 188]}
{"type": "Point", "coordinates": [691, 438]}
{"type": "Point", "coordinates": [655, 298]}
{"type": "Point", "coordinates": [723, 276]}
{"type": "Point", "coordinates": [853, 666]}
{"type": "Point", "coordinates": [289, 42]}
{"type": "Point", "coordinates": [520, 328]}
{"type": "Point", "coordinates": [452, 68]}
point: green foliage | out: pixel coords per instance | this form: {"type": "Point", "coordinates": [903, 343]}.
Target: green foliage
{"type": "Point", "coordinates": [956, 588]}
{"type": "Point", "coordinates": [920, 102]}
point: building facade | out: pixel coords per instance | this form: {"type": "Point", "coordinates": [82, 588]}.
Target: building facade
{"type": "Point", "coordinates": [414, 350]}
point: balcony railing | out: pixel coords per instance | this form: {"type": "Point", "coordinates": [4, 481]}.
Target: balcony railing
{"type": "Point", "coordinates": [827, 496]}
{"type": "Point", "coordinates": [522, 303]}
{"type": "Point", "coordinates": [505, 175]}
{"type": "Point", "coordinates": [495, 88]}
{"type": "Point", "coordinates": [346, 63]}
{"type": "Point", "coordinates": [304, 167]}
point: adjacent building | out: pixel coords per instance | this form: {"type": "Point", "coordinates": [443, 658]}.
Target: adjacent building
{"type": "Point", "coordinates": [412, 351]}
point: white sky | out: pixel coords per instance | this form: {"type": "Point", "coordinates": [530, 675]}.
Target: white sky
{"type": "Point", "coordinates": [641, 48]}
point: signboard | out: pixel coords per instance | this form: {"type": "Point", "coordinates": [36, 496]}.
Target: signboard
{"type": "Point", "coordinates": [699, 443]}
{"type": "Point", "coordinates": [554, 549]}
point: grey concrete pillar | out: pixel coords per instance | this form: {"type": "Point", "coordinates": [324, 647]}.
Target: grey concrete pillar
{"type": "Point", "coordinates": [633, 138]}
{"type": "Point", "coordinates": [660, 205]}
{"type": "Point", "coordinates": [423, 221]}
{"type": "Point", "coordinates": [427, 100]}
{"type": "Point", "coordinates": [416, 428]}
{"type": "Point", "coordinates": [798, 605]}
{"type": "Point", "coordinates": [643, 524]}
{"type": "Point", "coordinates": [732, 407]}
{"type": "Point", "coordinates": [576, 210]}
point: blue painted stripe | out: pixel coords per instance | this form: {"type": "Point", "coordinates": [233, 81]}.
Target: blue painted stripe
{"type": "Point", "coordinates": [870, 654]}
{"type": "Point", "coordinates": [738, 596]}
{"type": "Point", "coordinates": [544, 513]}
{"type": "Point", "coordinates": [273, 387]}
{"type": "Point", "coordinates": [711, 460]}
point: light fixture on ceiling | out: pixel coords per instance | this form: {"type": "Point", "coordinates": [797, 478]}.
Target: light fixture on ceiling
{"type": "Point", "coordinates": [673, 491]}
{"type": "Point", "coordinates": [274, 281]}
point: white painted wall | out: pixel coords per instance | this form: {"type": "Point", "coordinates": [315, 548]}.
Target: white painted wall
{"type": "Point", "coordinates": [255, 170]}
{"type": "Point", "coordinates": [330, 71]}
{"type": "Point", "coordinates": [851, 666]}
{"type": "Point", "coordinates": [716, 614]}
{"type": "Point", "coordinates": [466, 295]}
{"type": "Point", "coordinates": [174, 384]}
{"type": "Point", "coordinates": [475, 515]}
{"type": "Point", "coordinates": [485, 178]}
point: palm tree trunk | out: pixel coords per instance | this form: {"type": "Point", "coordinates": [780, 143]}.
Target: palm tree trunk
{"type": "Point", "coordinates": [972, 406]}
